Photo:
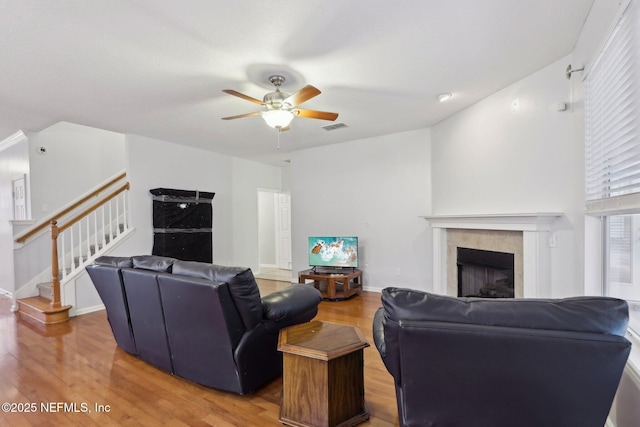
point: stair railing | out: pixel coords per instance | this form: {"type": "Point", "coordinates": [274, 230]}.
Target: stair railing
{"type": "Point", "coordinates": [83, 236]}
{"type": "Point", "coordinates": [44, 223]}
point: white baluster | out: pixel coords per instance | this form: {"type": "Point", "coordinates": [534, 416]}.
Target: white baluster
{"type": "Point", "coordinates": [88, 239]}
{"type": "Point", "coordinates": [110, 221]}
{"type": "Point", "coordinates": [72, 244]}
{"type": "Point", "coordinates": [95, 230]}
{"type": "Point", "coordinates": [104, 228]}
{"type": "Point", "coordinates": [79, 223]}
{"type": "Point", "coordinates": [63, 254]}
{"type": "Point", "coordinates": [125, 210]}
{"type": "Point", "coordinates": [117, 215]}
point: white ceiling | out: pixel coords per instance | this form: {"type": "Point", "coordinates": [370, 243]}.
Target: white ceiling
{"type": "Point", "coordinates": [157, 67]}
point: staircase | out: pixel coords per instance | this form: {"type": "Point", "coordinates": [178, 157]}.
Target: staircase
{"type": "Point", "coordinates": [42, 310]}
{"type": "Point", "coordinates": [88, 229]}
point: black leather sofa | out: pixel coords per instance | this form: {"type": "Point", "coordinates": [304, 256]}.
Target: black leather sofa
{"type": "Point", "coordinates": [508, 362]}
{"type": "Point", "coordinates": [202, 322]}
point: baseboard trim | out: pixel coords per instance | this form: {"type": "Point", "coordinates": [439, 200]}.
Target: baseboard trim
{"type": "Point", "coordinates": [88, 310]}
{"type": "Point", "coordinates": [269, 266]}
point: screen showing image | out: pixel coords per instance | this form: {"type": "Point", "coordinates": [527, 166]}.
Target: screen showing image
{"type": "Point", "coordinates": [333, 251]}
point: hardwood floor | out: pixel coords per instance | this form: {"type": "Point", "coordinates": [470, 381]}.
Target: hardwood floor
{"type": "Point", "coordinates": [74, 375]}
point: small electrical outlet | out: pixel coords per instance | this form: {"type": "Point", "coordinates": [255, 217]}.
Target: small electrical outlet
{"type": "Point", "coordinates": [553, 240]}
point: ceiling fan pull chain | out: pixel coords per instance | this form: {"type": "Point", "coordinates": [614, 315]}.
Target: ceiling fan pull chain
{"type": "Point", "coordinates": [279, 138]}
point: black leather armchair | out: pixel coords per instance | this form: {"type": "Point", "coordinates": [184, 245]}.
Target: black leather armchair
{"type": "Point", "coordinates": [510, 362]}
{"type": "Point", "coordinates": [202, 322]}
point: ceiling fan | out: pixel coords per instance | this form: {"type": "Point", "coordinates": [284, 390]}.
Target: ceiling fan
{"type": "Point", "coordinates": [280, 108]}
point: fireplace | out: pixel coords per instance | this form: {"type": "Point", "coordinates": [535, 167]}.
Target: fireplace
{"type": "Point", "coordinates": [527, 236]}
{"type": "Point", "coordinates": [485, 274]}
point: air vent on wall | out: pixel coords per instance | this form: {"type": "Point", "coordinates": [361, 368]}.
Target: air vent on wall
{"type": "Point", "coordinates": [334, 126]}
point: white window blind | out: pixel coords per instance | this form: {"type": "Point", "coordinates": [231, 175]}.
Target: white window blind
{"type": "Point", "coordinates": [612, 120]}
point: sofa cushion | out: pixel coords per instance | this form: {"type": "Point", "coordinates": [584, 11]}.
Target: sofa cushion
{"type": "Point", "coordinates": [153, 262]}
{"type": "Point", "coordinates": [114, 261]}
{"type": "Point", "coordinates": [242, 286]}
{"type": "Point", "coordinates": [581, 314]}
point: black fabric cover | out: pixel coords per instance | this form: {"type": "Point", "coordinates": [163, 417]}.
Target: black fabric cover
{"type": "Point", "coordinates": [184, 245]}
{"type": "Point", "coordinates": [182, 222]}
{"type": "Point", "coordinates": [181, 209]}
{"type": "Point", "coordinates": [517, 362]}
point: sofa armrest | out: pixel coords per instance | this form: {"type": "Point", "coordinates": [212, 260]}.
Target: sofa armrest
{"type": "Point", "coordinates": [290, 306]}
{"type": "Point", "coordinates": [378, 332]}
{"type": "Point", "coordinates": [385, 339]}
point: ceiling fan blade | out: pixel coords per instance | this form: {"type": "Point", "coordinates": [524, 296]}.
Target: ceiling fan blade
{"type": "Point", "coordinates": [313, 114]}
{"type": "Point", "coordinates": [257, 113]}
{"type": "Point", "coordinates": [243, 96]}
{"type": "Point", "coordinates": [303, 95]}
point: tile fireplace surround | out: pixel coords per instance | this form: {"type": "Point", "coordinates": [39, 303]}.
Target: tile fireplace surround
{"type": "Point", "coordinates": [524, 235]}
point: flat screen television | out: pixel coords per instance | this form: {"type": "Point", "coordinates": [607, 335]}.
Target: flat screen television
{"type": "Point", "coordinates": [333, 251]}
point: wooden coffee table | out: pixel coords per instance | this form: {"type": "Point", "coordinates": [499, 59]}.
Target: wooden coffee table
{"type": "Point", "coordinates": [323, 378]}
{"type": "Point", "coordinates": [334, 286]}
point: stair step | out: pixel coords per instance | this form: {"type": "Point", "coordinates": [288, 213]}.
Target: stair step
{"type": "Point", "coordinates": [45, 290]}
{"type": "Point", "coordinates": [39, 308]}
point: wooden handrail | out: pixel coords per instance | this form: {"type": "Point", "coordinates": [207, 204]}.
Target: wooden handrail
{"type": "Point", "coordinates": [46, 222]}
{"type": "Point", "coordinates": [56, 230]}
{"type": "Point", "coordinates": [93, 207]}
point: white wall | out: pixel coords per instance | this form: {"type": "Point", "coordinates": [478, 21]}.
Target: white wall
{"type": "Point", "coordinates": [267, 227]}
{"type": "Point", "coordinates": [14, 162]}
{"type": "Point", "coordinates": [375, 189]}
{"type": "Point", "coordinates": [77, 159]}
{"type": "Point", "coordinates": [153, 163]}
{"type": "Point", "coordinates": [513, 152]}
{"type": "Point", "coordinates": [248, 177]}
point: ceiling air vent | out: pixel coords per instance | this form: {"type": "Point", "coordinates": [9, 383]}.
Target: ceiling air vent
{"type": "Point", "coordinates": [334, 126]}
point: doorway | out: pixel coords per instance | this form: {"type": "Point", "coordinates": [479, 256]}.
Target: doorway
{"type": "Point", "coordinates": [274, 234]}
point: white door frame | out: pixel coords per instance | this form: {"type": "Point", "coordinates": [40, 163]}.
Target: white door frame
{"type": "Point", "coordinates": [279, 252]}
{"type": "Point", "coordinates": [283, 231]}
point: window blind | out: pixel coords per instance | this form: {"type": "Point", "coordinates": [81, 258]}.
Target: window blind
{"type": "Point", "coordinates": [612, 120]}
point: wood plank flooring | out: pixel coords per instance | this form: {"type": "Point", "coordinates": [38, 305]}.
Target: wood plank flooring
{"type": "Point", "coordinates": [74, 375]}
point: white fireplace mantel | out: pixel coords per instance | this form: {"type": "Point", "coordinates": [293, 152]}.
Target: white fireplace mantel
{"type": "Point", "coordinates": [535, 228]}
{"type": "Point", "coordinates": [518, 222]}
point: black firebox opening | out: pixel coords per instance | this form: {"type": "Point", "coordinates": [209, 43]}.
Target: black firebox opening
{"type": "Point", "coordinates": [485, 274]}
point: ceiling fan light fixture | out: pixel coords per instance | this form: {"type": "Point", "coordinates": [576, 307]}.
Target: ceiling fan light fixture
{"type": "Point", "coordinates": [278, 118]}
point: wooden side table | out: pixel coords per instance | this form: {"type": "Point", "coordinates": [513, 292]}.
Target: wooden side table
{"type": "Point", "coordinates": [323, 375]}
{"type": "Point", "coordinates": [336, 286]}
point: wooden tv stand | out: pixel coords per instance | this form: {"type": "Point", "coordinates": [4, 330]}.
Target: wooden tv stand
{"type": "Point", "coordinates": [334, 286]}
